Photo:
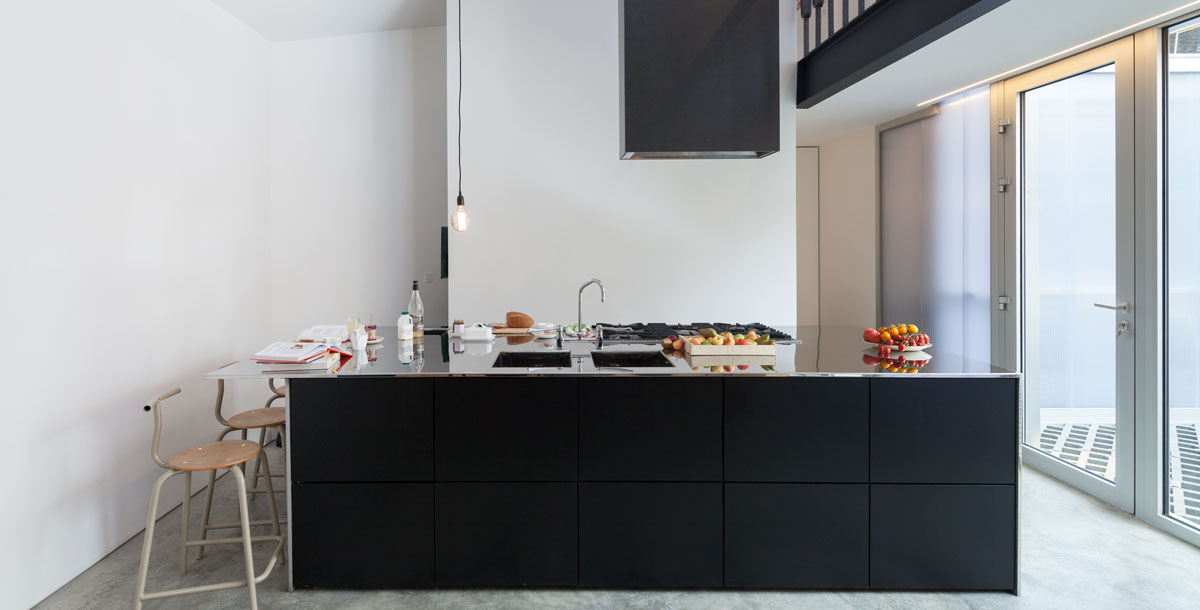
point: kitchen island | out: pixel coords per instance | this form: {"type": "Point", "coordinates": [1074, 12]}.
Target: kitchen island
{"type": "Point", "coordinates": [823, 470]}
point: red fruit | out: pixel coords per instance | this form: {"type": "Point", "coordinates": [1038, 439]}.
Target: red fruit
{"type": "Point", "coordinates": [870, 360]}
{"type": "Point", "coordinates": [672, 338]}
{"type": "Point", "coordinates": [871, 335]}
{"type": "Point", "coordinates": [743, 367]}
{"type": "Point", "coordinates": [901, 347]}
{"type": "Point", "coordinates": [743, 342]}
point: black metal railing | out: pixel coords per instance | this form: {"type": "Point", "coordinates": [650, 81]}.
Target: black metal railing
{"type": "Point", "coordinates": [821, 19]}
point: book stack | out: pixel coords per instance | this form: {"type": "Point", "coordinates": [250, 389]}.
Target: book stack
{"type": "Point", "coordinates": [301, 357]}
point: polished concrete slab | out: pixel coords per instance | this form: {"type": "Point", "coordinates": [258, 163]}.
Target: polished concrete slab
{"type": "Point", "coordinates": [1077, 553]}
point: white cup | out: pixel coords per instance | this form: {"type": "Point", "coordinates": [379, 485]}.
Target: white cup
{"type": "Point", "coordinates": [358, 339]}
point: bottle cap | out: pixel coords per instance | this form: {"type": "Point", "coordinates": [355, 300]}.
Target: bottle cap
{"type": "Point", "coordinates": [404, 313]}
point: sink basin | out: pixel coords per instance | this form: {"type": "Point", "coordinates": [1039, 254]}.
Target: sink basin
{"type": "Point", "coordinates": [548, 359]}
{"type": "Point", "coordinates": [630, 359]}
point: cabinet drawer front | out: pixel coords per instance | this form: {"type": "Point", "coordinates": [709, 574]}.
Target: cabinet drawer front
{"type": "Point", "coordinates": [943, 537]}
{"type": "Point", "coordinates": [507, 429]}
{"type": "Point", "coordinates": [507, 534]}
{"type": "Point", "coordinates": [944, 431]}
{"type": "Point", "coordinates": [362, 535]}
{"type": "Point", "coordinates": [652, 429]}
{"type": "Point", "coordinates": [361, 429]}
{"type": "Point", "coordinates": [796, 430]}
{"type": "Point", "coordinates": [803, 536]}
{"type": "Point", "coordinates": [650, 535]}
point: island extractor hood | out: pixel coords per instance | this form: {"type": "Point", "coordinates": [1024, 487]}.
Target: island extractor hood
{"type": "Point", "coordinates": [699, 79]}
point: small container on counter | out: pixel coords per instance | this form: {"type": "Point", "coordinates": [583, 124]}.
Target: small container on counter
{"type": "Point", "coordinates": [404, 327]}
{"type": "Point", "coordinates": [458, 327]}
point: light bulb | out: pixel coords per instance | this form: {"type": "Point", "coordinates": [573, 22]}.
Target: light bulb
{"type": "Point", "coordinates": [461, 218]}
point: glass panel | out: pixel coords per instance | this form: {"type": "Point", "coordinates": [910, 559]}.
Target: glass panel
{"type": "Point", "coordinates": [1183, 271]}
{"type": "Point", "coordinates": [1069, 163]}
{"type": "Point", "coordinates": [935, 214]}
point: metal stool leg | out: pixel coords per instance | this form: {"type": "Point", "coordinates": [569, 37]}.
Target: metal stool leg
{"type": "Point", "coordinates": [244, 508]}
{"type": "Point", "coordinates": [271, 506]}
{"type": "Point", "coordinates": [208, 497]}
{"type": "Point", "coordinates": [187, 513]}
{"type": "Point", "coordinates": [144, 564]}
{"type": "Point", "coordinates": [262, 457]}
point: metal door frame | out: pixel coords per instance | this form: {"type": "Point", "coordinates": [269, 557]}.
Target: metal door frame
{"type": "Point", "coordinates": [1007, 100]}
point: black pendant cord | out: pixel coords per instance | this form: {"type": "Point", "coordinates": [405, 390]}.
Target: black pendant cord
{"type": "Point", "coordinates": [460, 80]}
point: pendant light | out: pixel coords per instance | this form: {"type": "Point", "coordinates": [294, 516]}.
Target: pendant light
{"type": "Point", "coordinates": [460, 220]}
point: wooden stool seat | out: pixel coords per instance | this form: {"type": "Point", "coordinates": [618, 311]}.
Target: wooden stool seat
{"type": "Point", "coordinates": [259, 418]}
{"type": "Point", "coordinates": [211, 456]}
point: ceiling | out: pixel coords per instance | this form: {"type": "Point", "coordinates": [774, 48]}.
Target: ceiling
{"type": "Point", "coordinates": [1016, 33]}
{"type": "Point", "coordinates": [282, 20]}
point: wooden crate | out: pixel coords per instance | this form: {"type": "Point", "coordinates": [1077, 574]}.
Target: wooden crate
{"type": "Point", "coordinates": [728, 350]}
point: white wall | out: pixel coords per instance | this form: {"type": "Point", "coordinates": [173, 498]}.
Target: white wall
{"type": "Point", "coordinates": [848, 210]}
{"type": "Point", "coordinates": [552, 205]}
{"type": "Point", "coordinates": [808, 236]}
{"type": "Point", "coordinates": [133, 255]}
{"type": "Point", "coordinates": [358, 166]}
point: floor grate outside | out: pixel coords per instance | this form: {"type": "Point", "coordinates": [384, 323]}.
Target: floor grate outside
{"type": "Point", "coordinates": [1091, 447]}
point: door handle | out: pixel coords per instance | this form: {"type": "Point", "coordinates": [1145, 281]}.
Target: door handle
{"type": "Point", "coordinates": [1124, 306]}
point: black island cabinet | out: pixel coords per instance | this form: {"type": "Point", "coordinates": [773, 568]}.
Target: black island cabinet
{"type": "Point", "coordinates": [789, 482]}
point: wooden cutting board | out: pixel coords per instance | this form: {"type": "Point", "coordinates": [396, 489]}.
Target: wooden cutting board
{"type": "Point", "coordinates": [501, 329]}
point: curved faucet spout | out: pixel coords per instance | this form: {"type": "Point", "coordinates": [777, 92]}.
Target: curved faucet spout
{"type": "Point", "coordinates": [580, 312]}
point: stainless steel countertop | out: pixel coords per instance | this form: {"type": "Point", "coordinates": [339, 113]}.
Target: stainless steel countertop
{"type": "Point", "coordinates": [822, 351]}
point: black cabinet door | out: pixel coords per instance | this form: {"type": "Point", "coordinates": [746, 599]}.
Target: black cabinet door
{"type": "Point", "coordinates": [943, 537]}
{"type": "Point", "coordinates": [362, 535]}
{"type": "Point", "coordinates": [361, 429]}
{"type": "Point", "coordinates": [650, 429]}
{"type": "Point", "coordinates": [507, 534]}
{"type": "Point", "coordinates": [944, 431]}
{"type": "Point", "coordinates": [635, 535]}
{"type": "Point", "coordinates": [782, 535]}
{"type": "Point", "coordinates": [796, 430]}
{"type": "Point", "coordinates": [507, 429]}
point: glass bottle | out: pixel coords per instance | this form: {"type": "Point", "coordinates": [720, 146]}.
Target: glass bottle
{"type": "Point", "coordinates": [417, 310]}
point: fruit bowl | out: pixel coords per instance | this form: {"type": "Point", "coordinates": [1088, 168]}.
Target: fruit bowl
{"type": "Point", "coordinates": [896, 338]}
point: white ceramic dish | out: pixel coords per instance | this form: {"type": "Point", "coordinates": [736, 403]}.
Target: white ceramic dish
{"type": "Point", "coordinates": [907, 348]}
{"type": "Point", "coordinates": [544, 330]}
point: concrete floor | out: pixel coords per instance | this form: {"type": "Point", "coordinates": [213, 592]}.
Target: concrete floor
{"type": "Point", "coordinates": [1077, 553]}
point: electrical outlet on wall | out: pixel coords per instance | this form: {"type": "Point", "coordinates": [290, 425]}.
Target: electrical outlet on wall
{"type": "Point", "coordinates": [428, 277]}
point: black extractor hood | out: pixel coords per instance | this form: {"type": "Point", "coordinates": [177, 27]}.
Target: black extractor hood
{"type": "Point", "coordinates": [699, 79]}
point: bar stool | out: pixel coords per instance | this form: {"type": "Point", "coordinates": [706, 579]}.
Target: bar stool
{"type": "Point", "coordinates": [211, 457]}
{"type": "Point", "coordinates": [261, 419]}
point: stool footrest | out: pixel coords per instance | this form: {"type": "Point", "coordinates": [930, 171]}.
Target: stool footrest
{"type": "Point", "coordinates": [221, 586]}
{"type": "Point", "coordinates": [238, 540]}
{"type": "Point", "coordinates": [222, 526]}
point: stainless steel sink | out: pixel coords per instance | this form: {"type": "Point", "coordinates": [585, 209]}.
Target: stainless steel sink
{"type": "Point", "coordinates": [638, 359]}
{"type": "Point", "coordinates": [548, 359]}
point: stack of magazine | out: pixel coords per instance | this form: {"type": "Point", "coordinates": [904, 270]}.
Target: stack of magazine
{"type": "Point", "coordinates": [301, 357]}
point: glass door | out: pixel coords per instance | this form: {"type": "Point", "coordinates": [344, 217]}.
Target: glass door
{"type": "Point", "coordinates": [1071, 150]}
{"type": "Point", "coordinates": [1181, 432]}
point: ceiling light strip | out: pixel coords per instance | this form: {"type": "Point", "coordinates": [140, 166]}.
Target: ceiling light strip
{"type": "Point", "coordinates": [1083, 45]}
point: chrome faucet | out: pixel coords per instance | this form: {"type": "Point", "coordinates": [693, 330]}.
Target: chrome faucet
{"type": "Point", "coordinates": [589, 283]}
